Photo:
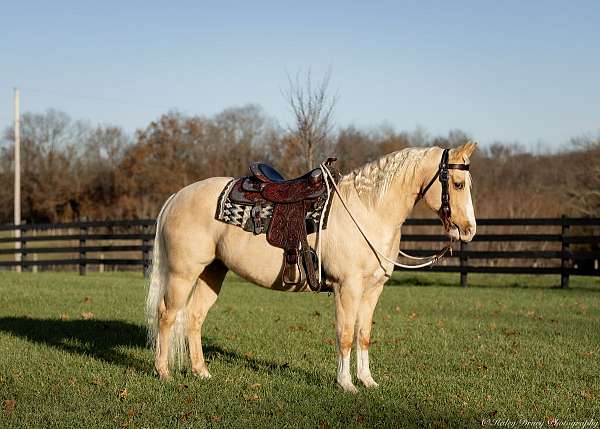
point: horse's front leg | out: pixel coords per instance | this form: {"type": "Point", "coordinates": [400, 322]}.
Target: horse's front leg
{"type": "Point", "coordinates": [364, 323]}
{"type": "Point", "coordinates": [347, 300]}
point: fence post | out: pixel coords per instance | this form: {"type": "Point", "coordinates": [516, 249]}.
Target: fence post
{"type": "Point", "coordinates": [82, 256]}
{"type": "Point", "coordinates": [145, 253]}
{"type": "Point", "coordinates": [34, 267]}
{"type": "Point", "coordinates": [23, 231]}
{"type": "Point", "coordinates": [463, 264]}
{"type": "Point", "coordinates": [564, 254]}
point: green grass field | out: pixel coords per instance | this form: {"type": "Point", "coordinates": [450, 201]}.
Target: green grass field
{"type": "Point", "coordinates": [72, 354]}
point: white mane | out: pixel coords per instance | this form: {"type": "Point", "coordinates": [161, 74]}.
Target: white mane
{"type": "Point", "coordinates": [372, 180]}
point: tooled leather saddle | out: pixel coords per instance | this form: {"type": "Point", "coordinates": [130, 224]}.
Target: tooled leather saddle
{"type": "Point", "coordinates": [286, 210]}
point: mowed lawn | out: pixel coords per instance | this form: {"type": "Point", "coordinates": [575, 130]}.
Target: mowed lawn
{"type": "Point", "coordinates": [73, 354]}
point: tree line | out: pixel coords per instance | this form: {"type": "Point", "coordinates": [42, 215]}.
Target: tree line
{"type": "Point", "coordinates": [73, 170]}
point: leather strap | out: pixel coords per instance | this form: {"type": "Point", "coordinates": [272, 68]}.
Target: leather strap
{"type": "Point", "coordinates": [458, 167]}
{"type": "Point", "coordinates": [445, 212]}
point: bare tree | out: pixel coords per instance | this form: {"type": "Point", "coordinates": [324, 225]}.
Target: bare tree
{"type": "Point", "coordinates": [49, 153]}
{"type": "Point", "coordinates": [312, 107]}
{"type": "Point", "coordinates": [582, 186]}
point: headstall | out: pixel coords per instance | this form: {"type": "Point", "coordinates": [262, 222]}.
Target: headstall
{"type": "Point", "coordinates": [442, 173]}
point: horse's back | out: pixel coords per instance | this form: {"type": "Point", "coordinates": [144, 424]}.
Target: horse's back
{"type": "Point", "coordinates": [198, 197]}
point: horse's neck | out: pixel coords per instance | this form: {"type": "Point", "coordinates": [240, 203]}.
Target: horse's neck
{"type": "Point", "coordinates": [387, 213]}
{"type": "Point", "coordinates": [397, 203]}
{"type": "Point", "coordinates": [401, 196]}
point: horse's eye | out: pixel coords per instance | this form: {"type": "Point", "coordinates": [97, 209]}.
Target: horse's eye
{"type": "Point", "coordinates": [459, 185]}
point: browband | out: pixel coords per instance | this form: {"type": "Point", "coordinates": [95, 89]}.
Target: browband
{"type": "Point", "coordinates": [459, 167]}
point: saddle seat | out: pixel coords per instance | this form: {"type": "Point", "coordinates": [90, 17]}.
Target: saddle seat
{"type": "Point", "coordinates": [275, 188]}
{"type": "Point", "coordinates": [267, 174]}
{"type": "Point", "coordinates": [291, 202]}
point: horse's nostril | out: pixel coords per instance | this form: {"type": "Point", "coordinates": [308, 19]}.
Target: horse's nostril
{"type": "Point", "coordinates": [470, 230]}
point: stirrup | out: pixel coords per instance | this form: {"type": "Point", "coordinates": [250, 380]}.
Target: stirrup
{"type": "Point", "coordinates": [293, 274]}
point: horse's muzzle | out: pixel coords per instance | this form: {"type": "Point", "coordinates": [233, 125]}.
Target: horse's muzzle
{"type": "Point", "coordinates": [457, 233]}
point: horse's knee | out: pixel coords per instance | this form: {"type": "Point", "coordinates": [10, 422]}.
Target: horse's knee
{"type": "Point", "coordinates": [363, 336]}
{"type": "Point", "coordinates": [345, 340]}
{"type": "Point", "coordinates": [364, 342]}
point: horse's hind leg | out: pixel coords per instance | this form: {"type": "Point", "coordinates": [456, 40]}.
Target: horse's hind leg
{"type": "Point", "coordinates": [177, 292]}
{"type": "Point", "coordinates": [205, 295]}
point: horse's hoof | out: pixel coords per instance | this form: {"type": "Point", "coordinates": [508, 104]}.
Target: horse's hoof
{"type": "Point", "coordinates": [369, 383]}
{"type": "Point", "coordinates": [348, 387]}
{"type": "Point", "coordinates": [201, 373]}
{"type": "Point", "coordinates": [163, 375]}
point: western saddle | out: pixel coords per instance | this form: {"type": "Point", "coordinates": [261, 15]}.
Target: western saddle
{"type": "Point", "coordinates": [291, 202]}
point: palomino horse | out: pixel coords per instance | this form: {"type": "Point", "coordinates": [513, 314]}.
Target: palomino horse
{"type": "Point", "coordinates": [193, 251]}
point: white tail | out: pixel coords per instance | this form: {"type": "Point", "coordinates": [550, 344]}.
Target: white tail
{"type": "Point", "coordinates": [156, 292]}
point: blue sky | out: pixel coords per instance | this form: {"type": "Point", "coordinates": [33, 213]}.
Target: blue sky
{"type": "Point", "coordinates": [522, 71]}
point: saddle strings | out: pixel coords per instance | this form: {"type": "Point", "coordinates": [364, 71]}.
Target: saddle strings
{"type": "Point", "coordinates": [431, 259]}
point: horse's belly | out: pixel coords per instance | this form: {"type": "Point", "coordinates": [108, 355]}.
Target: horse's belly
{"type": "Point", "coordinates": [252, 258]}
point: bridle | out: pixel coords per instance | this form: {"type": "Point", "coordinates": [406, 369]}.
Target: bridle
{"type": "Point", "coordinates": [445, 213]}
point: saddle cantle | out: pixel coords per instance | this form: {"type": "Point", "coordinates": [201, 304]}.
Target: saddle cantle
{"type": "Point", "coordinates": [286, 210]}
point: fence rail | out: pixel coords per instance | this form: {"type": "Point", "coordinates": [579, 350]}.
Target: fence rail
{"type": "Point", "coordinates": [574, 242]}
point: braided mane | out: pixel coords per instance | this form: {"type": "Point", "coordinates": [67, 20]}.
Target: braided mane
{"type": "Point", "coordinates": [373, 179]}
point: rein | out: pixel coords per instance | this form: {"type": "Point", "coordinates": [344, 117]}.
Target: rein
{"type": "Point", "coordinates": [444, 212]}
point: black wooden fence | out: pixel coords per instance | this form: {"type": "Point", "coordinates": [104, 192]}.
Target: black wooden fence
{"type": "Point", "coordinates": [565, 246]}
{"type": "Point", "coordinates": [129, 238]}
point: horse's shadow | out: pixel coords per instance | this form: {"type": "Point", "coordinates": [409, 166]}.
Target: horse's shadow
{"type": "Point", "coordinates": [104, 340]}
{"type": "Point", "coordinates": [109, 340]}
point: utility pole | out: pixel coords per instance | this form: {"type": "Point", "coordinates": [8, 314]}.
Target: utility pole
{"type": "Point", "coordinates": [17, 180]}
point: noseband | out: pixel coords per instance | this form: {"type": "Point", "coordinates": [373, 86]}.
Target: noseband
{"type": "Point", "coordinates": [444, 212]}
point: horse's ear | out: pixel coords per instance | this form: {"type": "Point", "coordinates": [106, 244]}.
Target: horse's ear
{"type": "Point", "coordinates": [465, 150]}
